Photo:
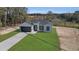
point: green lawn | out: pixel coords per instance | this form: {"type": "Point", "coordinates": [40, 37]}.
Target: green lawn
{"type": "Point", "coordinates": [42, 41]}
{"type": "Point", "coordinates": [6, 36]}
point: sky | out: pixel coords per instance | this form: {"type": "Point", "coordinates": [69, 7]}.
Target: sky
{"type": "Point", "coordinates": [53, 9]}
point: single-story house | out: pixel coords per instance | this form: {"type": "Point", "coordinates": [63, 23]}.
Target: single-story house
{"type": "Point", "coordinates": [36, 25]}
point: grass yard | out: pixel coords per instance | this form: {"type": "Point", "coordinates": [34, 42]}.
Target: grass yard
{"type": "Point", "coordinates": [6, 36]}
{"type": "Point", "coordinates": [41, 41]}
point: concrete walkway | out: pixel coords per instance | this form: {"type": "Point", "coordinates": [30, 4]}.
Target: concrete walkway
{"type": "Point", "coordinates": [8, 43]}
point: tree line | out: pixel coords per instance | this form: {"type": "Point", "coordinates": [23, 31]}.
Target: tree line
{"type": "Point", "coordinates": [64, 19]}
{"type": "Point", "coordinates": [11, 16]}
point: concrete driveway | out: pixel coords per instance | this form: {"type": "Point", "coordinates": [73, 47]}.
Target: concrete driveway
{"type": "Point", "coordinates": [8, 43]}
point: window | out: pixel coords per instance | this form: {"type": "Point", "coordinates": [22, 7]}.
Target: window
{"type": "Point", "coordinates": [41, 28]}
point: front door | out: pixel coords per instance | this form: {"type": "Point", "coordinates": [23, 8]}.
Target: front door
{"type": "Point", "coordinates": [35, 27]}
{"type": "Point", "coordinates": [48, 28]}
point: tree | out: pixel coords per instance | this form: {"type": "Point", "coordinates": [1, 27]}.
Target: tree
{"type": "Point", "coordinates": [2, 16]}
{"type": "Point", "coordinates": [75, 18]}
{"type": "Point", "coordinates": [50, 16]}
{"type": "Point", "coordinates": [12, 15]}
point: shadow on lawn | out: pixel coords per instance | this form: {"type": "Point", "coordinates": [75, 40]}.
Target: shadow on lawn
{"type": "Point", "coordinates": [45, 41]}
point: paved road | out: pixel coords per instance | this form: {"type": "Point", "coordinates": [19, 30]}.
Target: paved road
{"type": "Point", "coordinates": [8, 43]}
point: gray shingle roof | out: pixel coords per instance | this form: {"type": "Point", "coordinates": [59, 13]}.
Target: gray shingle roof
{"type": "Point", "coordinates": [43, 22]}
{"type": "Point", "coordinates": [26, 24]}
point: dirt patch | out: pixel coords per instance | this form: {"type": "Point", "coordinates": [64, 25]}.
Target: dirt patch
{"type": "Point", "coordinates": [69, 38]}
{"type": "Point", "coordinates": [6, 30]}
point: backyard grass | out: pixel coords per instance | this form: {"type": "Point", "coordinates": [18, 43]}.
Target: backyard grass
{"type": "Point", "coordinates": [41, 41]}
{"type": "Point", "coordinates": [6, 36]}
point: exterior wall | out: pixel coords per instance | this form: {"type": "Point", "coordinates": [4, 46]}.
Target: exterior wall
{"type": "Point", "coordinates": [32, 29]}
{"type": "Point", "coordinates": [45, 27]}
